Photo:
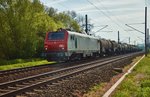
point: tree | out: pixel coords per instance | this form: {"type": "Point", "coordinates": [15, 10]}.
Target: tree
{"type": "Point", "coordinates": [23, 25]}
{"type": "Point", "coordinates": [51, 11]}
{"type": "Point", "coordinates": [72, 14]}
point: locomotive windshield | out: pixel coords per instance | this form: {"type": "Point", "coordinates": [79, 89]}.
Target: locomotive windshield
{"type": "Point", "coordinates": [56, 36]}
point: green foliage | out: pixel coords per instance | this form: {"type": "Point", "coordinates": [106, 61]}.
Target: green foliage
{"type": "Point", "coordinates": [145, 83]}
{"type": "Point", "coordinates": [144, 92]}
{"type": "Point", "coordinates": [19, 38]}
{"type": "Point", "coordinates": [23, 25]}
{"type": "Point", "coordinates": [122, 94]}
{"type": "Point", "coordinates": [51, 12]}
{"type": "Point", "coordinates": [137, 84]}
{"type": "Point", "coordinates": [16, 61]}
{"type": "Point", "coordinates": [26, 64]}
{"type": "Point", "coordinates": [97, 87]}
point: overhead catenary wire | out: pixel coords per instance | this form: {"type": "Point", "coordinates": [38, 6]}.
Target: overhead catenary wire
{"type": "Point", "coordinates": [98, 9]}
{"type": "Point", "coordinates": [105, 14]}
{"type": "Point", "coordinates": [68, 8]}
{"type": "Point", "coordinates": [134, 29]}
{"type": "Point", "coordinates": [102, 28]}
{"type": "Point", "coordinates": [135, 23]}
{"type": "Point", "coordinates": [104, 8]}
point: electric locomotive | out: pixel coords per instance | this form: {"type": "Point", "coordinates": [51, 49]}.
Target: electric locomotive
{"type": "Point", "coordinates": [63, 45]}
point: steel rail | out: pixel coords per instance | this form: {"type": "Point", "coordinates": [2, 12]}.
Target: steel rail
{"type": "Point", "coordinates": [24, 69]}
{"type": "Point", "coordinates": [53, 76]}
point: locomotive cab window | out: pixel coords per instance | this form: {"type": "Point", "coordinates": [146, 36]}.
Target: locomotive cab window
{"type": "Point", "coordinates": [56, 36]}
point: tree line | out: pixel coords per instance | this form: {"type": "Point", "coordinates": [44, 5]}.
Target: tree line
{"type": "Point", "coordinates": [24, 23]}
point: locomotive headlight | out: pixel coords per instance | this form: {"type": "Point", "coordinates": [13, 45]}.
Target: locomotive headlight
{"type": "Point", "coordinates": [61, 46]}
{"type": "Point", "coordinates": [46, 48]}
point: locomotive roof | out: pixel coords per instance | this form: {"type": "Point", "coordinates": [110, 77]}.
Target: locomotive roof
{"type": "Point", "coordinates": [82, 35]}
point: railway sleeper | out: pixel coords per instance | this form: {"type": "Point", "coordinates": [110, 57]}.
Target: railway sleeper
{"type": "Point", "coordinates": [52, 85]}
{"type": "Point", "coordinates": [18, 85]}
{"type": "Point", "coordinates": [38, 90]}
{"type": "Point", "coordinates": [32, 81]}
{"type": "Point", "coordinates": [25, 83]}
{"type": "Point", "coordinates": [4, 90]}
{"type": "Point", "coordinates": [21, 96]}
{"type": "Point", "coordinates": [60, 81]}
{"type": "Point", "coordinates": [44, 78]}
{"type": "Point", "coordinates": [119, 70]}
{"type": "Point", "coordinates": [30, 93]}
{"type": "Point", "coordinates": [48, 85]}
{"type": "Point", "coordinates": [13, 88]}
{"type": "Point", "coordinates": [56, 83]}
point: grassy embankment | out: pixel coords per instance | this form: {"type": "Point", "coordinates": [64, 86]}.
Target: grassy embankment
{"type": "Point", "coordinates": [20, 63]}
{"type": "Point", "coordinates": [137, 83]}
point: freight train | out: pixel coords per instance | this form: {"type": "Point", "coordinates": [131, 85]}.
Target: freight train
{"type": "Point", "coordinates": [64, 45]}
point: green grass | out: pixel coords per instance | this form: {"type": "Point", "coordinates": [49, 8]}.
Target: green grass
{"type": "Point", "coordinates": [15, 61]}
{"type": "Point", "coordinates": [136, 84]}
{"type": "Point", "coordinates": [97, 87]}
{"type": "Point", "coordinates": [25, 64]}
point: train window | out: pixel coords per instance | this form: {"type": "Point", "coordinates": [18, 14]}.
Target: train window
{"type": "Point", "coordinates": [56, 36]}
{"type": "Point", "coordinates": [72, 37]}
{"type": "Point", "coordinates": [76, 43]}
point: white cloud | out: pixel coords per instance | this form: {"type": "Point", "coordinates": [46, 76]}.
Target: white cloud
{"type": "Point", "coordinates": [119, 11]}
{"type": "Point", "coordinates": [51, 2]}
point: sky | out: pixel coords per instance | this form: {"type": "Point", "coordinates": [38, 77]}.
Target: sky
{"type": "Point", "coordinates": [114, 13]}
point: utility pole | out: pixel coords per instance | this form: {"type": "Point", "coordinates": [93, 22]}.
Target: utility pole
{"type": "Point", "coordinates": [134, 42]}
{"type": "Point", "coordinates": [118, 37]}
{"type": "Point", "coordinates": [147, 39]}
{"type": "Point", "coordinates": [145, 31]}
{"type": "Point", "coordinates": [86, 24]}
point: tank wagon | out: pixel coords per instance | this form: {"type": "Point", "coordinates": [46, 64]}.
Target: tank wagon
{"type": "Point", "coordinates": [63, 45]}
{"type": "Point", "coordinates": [105, 46]}
{"type": "Point", "coordinates": [114, 47]}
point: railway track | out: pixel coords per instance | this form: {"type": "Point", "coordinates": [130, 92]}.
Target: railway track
{"type": "Point", "coordinates": [11, 71]}
{"type": "Point", "coordinates": [15, 87]}
{"type": "Point", "coordinates": [17, 70]}
{"type": "Point", "coordinates": [9, 75]}
{"type": "Point", "coordinates": [53, 65]}
{"type": "Point", "coordinates": [30, 71]}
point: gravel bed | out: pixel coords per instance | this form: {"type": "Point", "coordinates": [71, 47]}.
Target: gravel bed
{"type": "Point", "coordinates": [19, 75]}
{"type": "Point", "coordinates": [23, 74]}
{"type": "Point", "coordinates": [77, 85]}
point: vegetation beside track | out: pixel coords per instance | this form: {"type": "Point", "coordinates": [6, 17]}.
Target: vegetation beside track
{"type": "Point", "coordinates": [20, 63]}
{"type": "Point", "coordinates": [22, 30]}
{"type": "Point", "coordinates": [136, 84]}
{"type": "Point", "coordinates": [16, 61]}
{"type": "Point", "coordinates": [129, 84]}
